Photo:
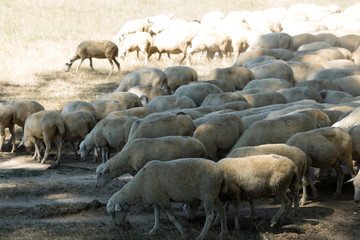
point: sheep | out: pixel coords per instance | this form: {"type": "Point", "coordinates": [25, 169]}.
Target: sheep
{"type": "Point", "coordinates": [324, 148]}
{"type": "Point", "coordinates": [250, 54]}
{"type": "Point", "coordinates": [94, 49]}
{"type": "Point", "coordinates": [272, 40]}
{"type": "Point", "coordinates": [273, 69]}
{"type": "Point", "coordinates": [132, 26]}
{"type": "Point", "coordinates": [139, 112]}
{"type": "Point", "coordinates": [349, 84]}
{"type": "Point", "coordinates": [219, 134]}
{"type": "Point", "coordinates": [197, 92]}
{"type": "Point", "coordinates": [216, 99]}
{"type": "Point", "coordinates": [269, 174]}
{"type": "Point", "coordinates": [7, 120]}
{"type": "Point", "coordinates": [264, 98]}
{"type": "Point", "coordinates": [293, 153]}
{"type": "Point", "coordinates": [356, 183]}
{"type": "Point", "coordinates": [336, 73]}
{"type": "Point", "coordinates": [107, 133]}
{"type": "Point", "coordinates": [268, 84]}
{"type": "Point", "coordinates": [333, 96]}
{"type": "Point", "coordinates": [105, 107]}
{"type": "Point", "coordinates": [166, 125]}
{"type": "Point", "coordinates": [78, 105]}
{"type": "Point", "coordinates": [24, 108]}
{"type": "Point", "coordinates": [349, 41]}
{"type": "Point", "coordinates": [338, 63]}
{"type": "Point", "coordinates": [159, 23]}
{"type": "Point", "coordinates": [347, 122]}
{"type": "Point", "coordinates": [319, 85]}
{"type": "Point", "coordinates": [163, 103]}
{"type": "Point", "coordinates": [354, 133]}
{"type": "Point", "coordinates": [299, 93]}
{"type": "Point", "coordinates": [183, 180]}
{"type": "Point", "coordinates": [210, 40]}
{"type": "Point", "coordinates": [131, 160]}
{"type": "Point", "coordinates": [303, 38]}
{"type": "Point", "coordinates": [180, 75]}
{"type": "Point", "coordinates": [148, 77]}
{"type": "Point", "coordinates": [130, 100]}
{"type": "Point", "coordinates": [257, 60]}
{"type": "Point", "coordinates": [147, 93]}
{"type": "Point", "coordinates": [139, 42]}
{"type": "Point", "coordinates": [238, 76]}
{"type": "Point", "coordinates": [47, 125]}
{"type": "Point", "coordinates": [224, 85]}
{"type": "Point", "coordinates": [314, 46]}
{"type": "Point", "coordinates": [267, 131]}
{"type": "Point", "coordinates": [77, 125]}
{"type": "Point", "coordinates": [300, 69]}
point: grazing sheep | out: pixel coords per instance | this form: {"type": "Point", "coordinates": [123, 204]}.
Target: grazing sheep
{"type": "Point", "coordinates": [216, 99]}
{"type": "Point", "coordinates": [139, 112]}
{"type": "Point", "coordinates": [300, 69]}
{"type": "Point", "coordinates": [46, 125]}
{"type": "Point", "coordinates": [268, 84]}
{"type": "Point", "coordinates": [349, 41]}
{"type": "Point", "coordinates": [165, 125]}
{"type": "Point", "coordinates": [147, 77]}
{"type": "Point", "coordinates": [219, 134]}
{"type": "Point", "coordinates": [293, 153]}
{"type": "Point", "coordinates": [269, 174]}
{"type": "Point", "coordinates": [350, 120]}
{"type": "Point", "coordinates": [264, 98]}
{"type": "Point", "coordinates": [107, 133]}
{"type": "Point", "coordinates": [253, 53]}
{"type": "Point", "coordinates": [224, 85]}
{"type": "Point", "coordinates": [139, 42]}
{"type": "Point", "coordinates": [273, 69]}
{"type": "Point", "coordinates": [74, 106]}
{"type": "Point", "coordinates": [184, 180]}
{"type": "Point", "coordinates": [105, 107]}
{"type": "Point", "coordinates": [335, 73]}
{"type": "Point", "coordinates": [7, 120]}
{"type": "Point", "coordinates": [147, 93]}
{"type": "Point", "coordinates": [349, 84]}
{"type": "Point", "coordinates": [180, 75]}
{"type": "Point", "coordinates": [302, 39]}
{"type": "Point", "coordinates": [197, 92]}
{"type": "Point", "coordinates": [319, 84]}
{"type": "Point", "coordinates": [130, 100]}
{"type": "Point", "coordinates": [163, 103]}
{"type": "Point", "coordinates": [131, 160]}
{"type": "Point", "coordinates": [94, 49]}
{"type": "Point", "coordinates": [333, 96]}
{"type": "Point", "coordinates": [24, 108]}
{"type": "Point", "coordinates": [356, 182]}
{"type": "Point", "coordinates": [238, 76]}
{"type": "Point", "coordinates": [299, 93]}
{"type": "Point", "coordinates": [326, 147]}
{"type": "Point", "coordinates": [272, 40]}
{"type": "Point", "coordinates": [268, 131]}
{"type": "Point", "coordinates": [77, 125]}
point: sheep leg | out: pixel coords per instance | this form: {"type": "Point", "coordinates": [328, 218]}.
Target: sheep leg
{"type": "Point", "coordinates": [47, 150]}
{"type": "Point", "coordinates": [252, 214]}
{"type": "Point", "coordinates": [348, 161]}
{"type": "Point", "coordinates": [223, 221]}
{"type": "Point", "coordinates": [59, 148]}
{"type": "Point", "coordinates": [126, 57]}
{"type": "Point", "coordinates": [172, 219]}
{"type": "Point", "coordinates": [313, 188]}
{"type": "Point", "coordinates": [112, 67]}
{"type": "Point", "coordinates": [12, 139]}
{"type": "Point", "coordinates": [340, 179]}
{"type": "Point", "coordinates": [157, 220]}
{"type": "Point", "coordinates": [2, 138]}
{"type": "Point", "coordinates": [91, 65]}
{"type": "Point", "coordinates": [103, 154]}
{"type": "Point", "coordinates": [82, 60]}
{"type": "Point", "coordinates": [209, 211]}
{"type": "Point", "coordinates": [117, 63]}
{"type": "Point", "coordinates": [37, 152]}
{"type": "Point", "coordinates": [146, 58]}
{"type": "Point", "coordinates": [284, 203]}
{"type": "Point", "coordinates": [72, 143]}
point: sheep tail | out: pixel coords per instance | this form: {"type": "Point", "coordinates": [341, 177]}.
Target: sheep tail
{"type": "Point", "coordinates": [61, 126]}
{"type": "Point", "coordinates": [225, 184]}
{"type": "Point", "coordinates": [14, 116]}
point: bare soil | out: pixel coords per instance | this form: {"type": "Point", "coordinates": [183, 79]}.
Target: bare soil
{"type": "Point", "coordinates": [41, 202]}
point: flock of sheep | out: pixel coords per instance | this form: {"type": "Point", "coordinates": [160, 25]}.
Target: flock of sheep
{"type": "Point", "coordinates": [289, 103]}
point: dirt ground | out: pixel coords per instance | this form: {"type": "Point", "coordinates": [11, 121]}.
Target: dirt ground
{"type": "Point", "coordinates": [39, 202]}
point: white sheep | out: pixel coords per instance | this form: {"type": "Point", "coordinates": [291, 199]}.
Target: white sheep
{"type": "Point", "coordinates": [350, 120]}
{"type": "Point", "coordinates": [164, 125]}
{"type": "Point", "coordinates": [147, 93]}
{"type": "Point", "coordinates": [293, 153]}
{"type": "Point", "coordinates": [132, 26]}
{"type": "Point", "coordinates": [356, 183]}
{"type": "Point", "coordinates": [163, 103]}
{"type": "Point", "coordinates": [255, 177]}
{"type": "Point", "coordinates": [94, 49]}
{"type": "Point", "coordinates": [264, 98]}
{"type": "Point", "coordinates": [139, 112]}
{"type": "Point", "coordinates": [268, 84]}
{"type": "Point", "coordinates": [78, 105]}
{"type": "Point", "coordinates": [105, 107]}
{"type": "Point", "coordinates": [295, 94]}
{"type": "Point", "coordinates": [7, 120]}
{"type": "Point", "coordinates": [24, 108]}
{"type": "Point", "coordinates": [139, 42]}
{"type": "Point", "coordinates": [272, 40]}
{"type": "Point", "coordinates": [148, 77]}
{"type": "Point", "coordinates": [130, 100]}
{"type": "Point", "coordinates": [77, 125]}
{"type": "Point", "coordinates": [273, 69]}
{"type": "Point", "coordinates": [46, 125]}
{"type": "Point", "coordinates": [216, 99]}
{"type": "Point", "coordinates": [183, 180]}
{"type": "Point", "coordinates": [219, 134]}
{"type": "Point", "coordinates": [131, 160]}
{"type": "Point", "coordinates": [107, 132]}
{"type": "Point", "coordinates": [224, 85]}
{"type": "Point", "coordinates": [250, 54]}
{"type": "Point", "coordinates": [326, 147]}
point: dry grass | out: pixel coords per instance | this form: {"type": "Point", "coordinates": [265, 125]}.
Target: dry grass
{"type": "Point", "coordinates": [36, 36]}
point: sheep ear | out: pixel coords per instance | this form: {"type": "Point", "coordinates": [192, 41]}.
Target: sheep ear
{"type": "Point", "coordinates": [351, 180]}
{"type": "Point", "coordinates": [105, 170]}
{"type": "Point", "coordinates": [117, 207]}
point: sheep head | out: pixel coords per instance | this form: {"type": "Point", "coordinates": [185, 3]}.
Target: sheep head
{"type": "Point", "coordinates": [118, 213]}
{"type": "Point", "coordinates": [103, 177]}
{"type": "Point", "coordinates": [68, 64]}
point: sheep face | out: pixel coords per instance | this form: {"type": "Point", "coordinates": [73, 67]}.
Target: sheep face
{"type": "Point", "coordinates": [119, 215]}
{"type": "Point", "coordinates": [84, 151]}
{"type": "Point", "coordinates": [102, 176]}
{"type": "Point", "coordinates": [68, 65]}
